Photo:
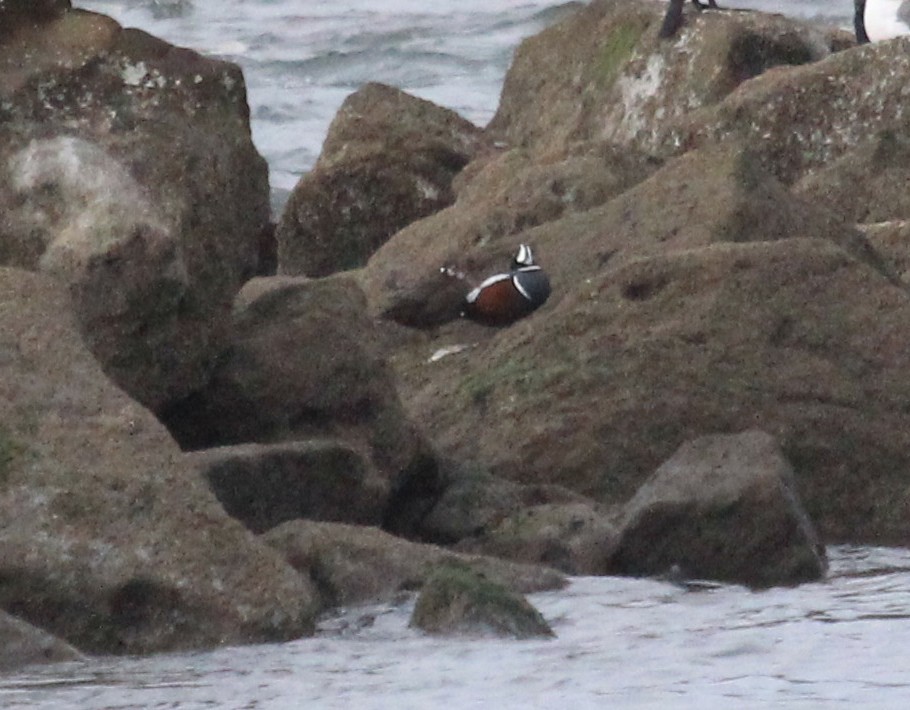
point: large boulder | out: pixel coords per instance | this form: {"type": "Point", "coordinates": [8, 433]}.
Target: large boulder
{"type": "Point", "coordinates": [351, 564]}
{"type": "Point", "coordinates": [499, 197]}
{"type": "Point", "coordinates": [127, 170]}
{"type": "Point", "coordinates": [575, 538]}
{"type": "Point", "coordinates": [108, 538]}
{"type": "Point", "coordinates": [632, 359]}
{"type": "Point", "coordinates": [706, 196]}
{"type": "Point", "coordinates": [603, 73]}
{"type": "Point", "coordinates": [264, 485]}
{"type": "Point", "coordinates": [722, 507]}
{"type": "Point", "coordinates": [303, 364]}
{"type": "Point", "coordinates": [866, 184]}
{"type": "Point", "coordinates": [388, 160]}
{"type": "Point", "coordinates": [804, 118]}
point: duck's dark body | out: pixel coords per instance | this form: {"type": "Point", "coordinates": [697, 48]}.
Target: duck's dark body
{"type": "Point", "coordinates": [506, 297]}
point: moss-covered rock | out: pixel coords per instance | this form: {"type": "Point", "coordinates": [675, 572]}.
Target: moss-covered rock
{"type": "Point", "coordinates": [109, 539]}
{"type": "Point", "coordinates": [867, 184]}
{"type": "Point", "coordinates": [457, 600]}
{"type": "Point", "coordinates": [499, 196]}
{"type": "Point", "coordinates": [801, 119]}
{"type": "Point", "coordinates": [303, 363]}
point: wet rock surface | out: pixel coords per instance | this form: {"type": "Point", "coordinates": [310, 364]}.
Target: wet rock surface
{"type": "Point", "coordinates": [722, 507]}
{"type": "Point", "coordinates": [456, 600]}
{"type": "Point", "coordinates": [108, 539]}
{"type": "Point", "coordinates": [22, 645]}
{"type": "Point", "coordinates": [351, 564]}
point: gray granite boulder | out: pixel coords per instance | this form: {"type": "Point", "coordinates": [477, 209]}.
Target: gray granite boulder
{"type": "Point", "coordinates": [264, 485]}
{"type": "Point", "coordinates": [723, 507]}
{"type": "Point", "coordinates": [128, 172]}
{"type": "Point", "coordinates": [388, 160]}
{"type": "Point", "coordinates": [109, 539]}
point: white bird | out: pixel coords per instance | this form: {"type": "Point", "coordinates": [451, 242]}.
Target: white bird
{"type": "Point", "coordinates": [876, 20]}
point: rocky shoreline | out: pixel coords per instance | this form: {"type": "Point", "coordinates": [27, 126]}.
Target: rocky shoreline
{"type": "Point", "coordinates": [214, 428]}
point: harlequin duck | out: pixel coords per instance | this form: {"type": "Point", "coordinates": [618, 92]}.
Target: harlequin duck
{"type": "Point", "coordinates": [504, 298]}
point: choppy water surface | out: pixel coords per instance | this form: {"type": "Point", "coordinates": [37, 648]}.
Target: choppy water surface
{"type": "Point", "coordinates": [620, 643]}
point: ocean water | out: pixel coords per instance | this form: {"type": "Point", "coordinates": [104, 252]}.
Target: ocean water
{"type": "Point", "coordinates": [623, 643]}
{"type": "Point", "coordinates": [620, 643]}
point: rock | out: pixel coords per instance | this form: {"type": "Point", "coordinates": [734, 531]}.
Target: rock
{"type": "Point", "coordinates": [630, 360]}
{"type": "Point", "coordinates": [473, 502]}
{"type": "Point", "coordinates": [266, 485]}
{"type": "Point", "coordinates": [388, 160]}
{"type": "Point", "coordinates": [892, 241]}
{"type": "Point", "coordinates": [109, 540]}
{"type": "Point", "coordinates": [804, 118]}
{"type": "Point", "coordinates": [866, 184]}
{"type": "Point", "coordinates": [354, 565]}
{"type": "Point", "coordinates": [129, 173]}
{"type": "Point", "coordinates": [603, 74]}
{"type": "Point", "coordinates": [715, 194]}
{"type": "Point", "coordinates": [303, 365]}
{"type": "Point", "coordinates": [575, 538]}
{"type": "Point", "coordinates": [499, 196]}
{"type": "Point", "coordinates": [470, 502]}
{"type": "Point", "coordinates": [22, 644]}
{"type": "Point", "coordinates": [16, 12]}
{"type": "Point", "coordinates": [723, 507]}
{"type": "Point", "coordinates": [455, 600]}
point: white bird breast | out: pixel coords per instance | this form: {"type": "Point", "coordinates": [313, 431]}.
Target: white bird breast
{"type": "Point", "coordinates": [883, 21]}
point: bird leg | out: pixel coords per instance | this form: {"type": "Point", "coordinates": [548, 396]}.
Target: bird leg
{"type": "Point", "coordinates": [673, 20]}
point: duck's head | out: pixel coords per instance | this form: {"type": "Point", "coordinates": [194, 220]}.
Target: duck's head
{"type": "Point", "coordinates": [523, 258]}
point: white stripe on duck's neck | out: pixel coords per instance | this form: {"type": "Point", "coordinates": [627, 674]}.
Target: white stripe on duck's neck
{"type": "Point", "coordinates": [885, 19]}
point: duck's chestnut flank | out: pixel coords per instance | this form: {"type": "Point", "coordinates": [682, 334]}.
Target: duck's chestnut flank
{"type": "Point", "coordinates": [504, 298]}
